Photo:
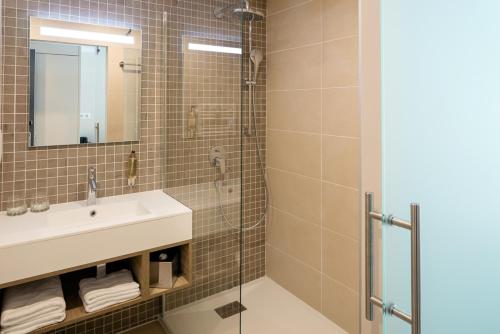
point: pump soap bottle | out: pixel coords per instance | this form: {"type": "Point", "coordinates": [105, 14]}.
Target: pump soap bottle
{"type": "Point", "coordinates": [132, 169]}
{"type": "Point", "coordinates": [191, 123]}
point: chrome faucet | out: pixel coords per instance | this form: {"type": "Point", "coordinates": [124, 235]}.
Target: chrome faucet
{"type": "Point", "coordinates": [92, 187]}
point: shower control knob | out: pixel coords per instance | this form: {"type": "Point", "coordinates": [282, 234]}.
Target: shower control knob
{"type": "Point", "coordinates": [217, 158]}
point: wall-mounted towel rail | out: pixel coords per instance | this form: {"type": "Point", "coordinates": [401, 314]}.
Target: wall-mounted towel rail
{"type": "Point", "coordinates": [137, 67]}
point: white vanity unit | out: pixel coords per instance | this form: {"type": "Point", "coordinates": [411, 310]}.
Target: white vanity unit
{"type": "Point", "coordinates": [72, 238]}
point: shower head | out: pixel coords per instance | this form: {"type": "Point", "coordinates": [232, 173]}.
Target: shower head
{"type": "Point", "coordinates": [256, 56]}
{"type": "Point", "coordinates": [243, 11]}
{"type": "Point", "coordinates": [249, 14]}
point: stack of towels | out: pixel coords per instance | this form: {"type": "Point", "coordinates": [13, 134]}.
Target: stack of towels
{"type": "Point", "coordinates": [99, 293]}
{"type": "Point", "coordinates": [31, 306]}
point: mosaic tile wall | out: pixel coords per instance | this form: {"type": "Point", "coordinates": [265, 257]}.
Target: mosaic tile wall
{"type": "Point", "coordinates": [172, 81]}
{"type": "Point", "coordinates": [1, 84]}
{"type": "Point", "coordinates": [61, 171]}
{"type": "Point", "coordinates": [211, 84]}
{"type": "Point", "coordinates": [118, 321]}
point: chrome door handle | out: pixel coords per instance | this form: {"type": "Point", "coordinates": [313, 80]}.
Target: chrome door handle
{"type": "Point", "coordinates": [414, 227]}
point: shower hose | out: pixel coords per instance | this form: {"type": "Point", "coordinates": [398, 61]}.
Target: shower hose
{"type": "Point", "coordinates": [262, 169]}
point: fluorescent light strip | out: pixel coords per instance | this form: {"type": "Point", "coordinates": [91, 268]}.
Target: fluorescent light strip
{"type": "Point", "coordinates": [213, 48]}
{"type": "Point", "coordinates": [87, 35]}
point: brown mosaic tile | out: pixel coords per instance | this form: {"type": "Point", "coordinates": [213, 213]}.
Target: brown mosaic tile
{"type": "Point", "coordinates": [172, 81]}
{"type": "Point", "coordinates": [61, 185]}
{"type": "Point", "coordinates": [213, 83]}
{"type": "Point", "coordinates": [61, 171]}
{"type": "Point", "coordinates": [116, 322]}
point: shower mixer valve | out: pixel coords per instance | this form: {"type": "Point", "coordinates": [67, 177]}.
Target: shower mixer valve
{"type": "Point", "coordinates": [218, 159]}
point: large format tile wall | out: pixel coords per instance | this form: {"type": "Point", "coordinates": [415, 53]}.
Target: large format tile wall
{"type": "Point", "coordinates": [313, 154]}
{"type": "Point", "coordinates": [211, 83]}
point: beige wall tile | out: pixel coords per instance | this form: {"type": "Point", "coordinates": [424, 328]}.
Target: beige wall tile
{"type": "Point", "coordinates": [295, 69]}
{"type": "Point", "coordinates": [341, 259]}
{"type": "Point", "coordinates": [295, 152]}
{"type": "Point", "coordinates": [341, 305]}
{"type": "Point", "coordinates": [295, 27]}
{"type": "Point", "coordinates": [341, 161]}
{"type": "Point", "coordinates": [274, 6]}
{"type": "Point", "coordinates": [340, 63]}
{"type": "Point", "coordinates": [294, 110]}
{"type": "Point", "coordinates": [296, 194]}
{"type": "Point", "coordinates": [303, 281]}
{"type": "Point", "coordinates": [341, 210]}
{"type": "Point", "coordinates": [295, 237]}
{"type": "Point", "coordinates": [341, 112]}
{"type": "Point", "coordinates": [313, 89]}
{"type": "Point", "coordinates": [340, 18]}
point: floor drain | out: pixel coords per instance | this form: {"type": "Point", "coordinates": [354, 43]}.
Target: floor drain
{"type": "Point", "coordinates": [230, 309]}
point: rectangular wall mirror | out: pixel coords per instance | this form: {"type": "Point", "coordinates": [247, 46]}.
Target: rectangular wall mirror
{"type": "Point", "coordinates": [84, 83]}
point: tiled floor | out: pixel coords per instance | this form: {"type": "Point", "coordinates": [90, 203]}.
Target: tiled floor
{"type": "Point", "coordinates": [270, 310]}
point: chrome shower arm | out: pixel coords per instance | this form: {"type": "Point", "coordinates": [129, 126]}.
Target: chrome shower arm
{"type": "Point", "coordinates": [220, 11]}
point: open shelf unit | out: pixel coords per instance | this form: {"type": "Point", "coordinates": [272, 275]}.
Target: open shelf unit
{"type": "Point", "coordinates": [138, 264]}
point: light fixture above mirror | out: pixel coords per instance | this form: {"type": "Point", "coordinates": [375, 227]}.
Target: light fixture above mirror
{"type": "Point", "coordinates": [86, 35]}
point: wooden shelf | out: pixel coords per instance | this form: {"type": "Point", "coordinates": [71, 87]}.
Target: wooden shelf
{"type": "Point", "coordinates": [181, 283]}
{"type": "Point", "coordinates": [139, 265]}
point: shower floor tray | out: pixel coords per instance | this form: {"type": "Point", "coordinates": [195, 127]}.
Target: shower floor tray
{"type": "Point", "coordinates": [270, 309]}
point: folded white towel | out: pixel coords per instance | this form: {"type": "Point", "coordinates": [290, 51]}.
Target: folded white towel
{"type": "Point", "coordinates": [120, 281]}
{"type": "Point", "coordinates": [110, 301]}
{"type": "Point", "coordinates": [114, 292]}
{"type": "Point", "coordinates": [35, 323]}
{"type": "Point", "coordinates": [112, 289]}
{"type": "Point", "coordinates": [24, 302]}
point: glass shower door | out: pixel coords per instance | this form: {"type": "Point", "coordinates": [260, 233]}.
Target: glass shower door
{"type": "Point", "coordinates": [441, 148]}
{"type": "Point", "coordinates": [202, 157]}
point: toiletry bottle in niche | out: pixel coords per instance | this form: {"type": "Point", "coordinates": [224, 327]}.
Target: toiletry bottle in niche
{"type": "Point", "coordinates": [132, 169]}
{"type": "Point", "coordinates": [191, 123]}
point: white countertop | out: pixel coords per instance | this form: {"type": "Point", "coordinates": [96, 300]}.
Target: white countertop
{"type": "Point", "coordinates": [35, 227]}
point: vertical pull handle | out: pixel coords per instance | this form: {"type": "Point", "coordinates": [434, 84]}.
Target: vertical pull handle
{"type": "Point", "coordinates": [415, 268]}
{"type": "Point", "coordinates": [414, 227]}
{"type": "Point", "coordinates": [368, 256]}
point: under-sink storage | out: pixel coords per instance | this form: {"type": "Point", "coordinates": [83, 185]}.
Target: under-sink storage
{"type": "Point", "coordinates": [70, 281]}
{"type": "Point", "coordinates": [180, 259]}
{"type": "Point", "coordinates": [138, 264]}
{"type": "Point", "coordinates": [183, 278]}
{"type": "Point", "coordinates": [71, 239]}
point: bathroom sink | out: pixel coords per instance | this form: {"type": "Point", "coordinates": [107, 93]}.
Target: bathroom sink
{"type": "Point", "coordinates": [73, 234]}
{"type": "Point", "coordinates": [98, 214]}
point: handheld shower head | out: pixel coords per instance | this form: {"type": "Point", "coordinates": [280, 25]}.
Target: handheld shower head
{"type": "Point", "coordinates": [256, 55]}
